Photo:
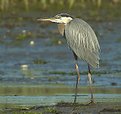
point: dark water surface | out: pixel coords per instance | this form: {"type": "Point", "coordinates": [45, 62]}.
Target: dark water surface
{"type": "Point", "coordinates": [37, 67]}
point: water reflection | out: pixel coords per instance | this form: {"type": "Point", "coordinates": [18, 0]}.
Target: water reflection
{"type": "Point", "coordinates": [52, 90]}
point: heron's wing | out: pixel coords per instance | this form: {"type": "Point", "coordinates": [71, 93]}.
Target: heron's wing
{"type": "Point", "coordinates": [83, 41]}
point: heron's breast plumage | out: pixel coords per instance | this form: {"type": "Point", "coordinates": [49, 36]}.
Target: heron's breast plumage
{"type": "Point", "coordinates": [83, 41]}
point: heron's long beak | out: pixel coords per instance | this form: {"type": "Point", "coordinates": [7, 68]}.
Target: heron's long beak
{"type": "Point", "coordinates": [46, 20]}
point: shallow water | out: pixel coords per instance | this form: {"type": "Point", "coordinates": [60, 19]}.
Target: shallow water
{"type": "Point", "coordinates": [29, 72]}
{"type": "Point", "coordinates": [54, 99]}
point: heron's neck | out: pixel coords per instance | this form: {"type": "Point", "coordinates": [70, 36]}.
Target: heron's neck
{"type": "Point", "coordinates": [61, 28]}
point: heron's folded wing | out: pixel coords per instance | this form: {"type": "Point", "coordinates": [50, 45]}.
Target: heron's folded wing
{"type": "Point", "coordinates": [83, 41]}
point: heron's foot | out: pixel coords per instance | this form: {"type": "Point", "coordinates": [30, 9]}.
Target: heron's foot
{"type": "Point", "coordinates": [75, 104]}
{"type": "Point", "coordinates": [92, 102]}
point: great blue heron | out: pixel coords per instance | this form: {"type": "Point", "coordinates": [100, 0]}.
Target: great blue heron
{"type": "Point", "coordinates": [82, 40]}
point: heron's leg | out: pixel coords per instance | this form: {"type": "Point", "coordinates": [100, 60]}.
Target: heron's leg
{"type": "Point", "coordinates": [78, 77]}
{"type": "Point", "coordinates": [90, 84]}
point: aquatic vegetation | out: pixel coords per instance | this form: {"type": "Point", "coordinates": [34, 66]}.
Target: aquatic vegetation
{"type": "Point", "coordinates": [56, 41]}
{"type": "Point", "coordinates": [51, 110]}
{"type": "Point", "coordinates": [98, 9]}
{"type": "Point", "coordinates": [44, 4]}
{"type": "Point", "coordinates": [118, 40]}
{"type": "Point", "coordinates": [39, 61]}
{"type": "Point", "coordinates": [23, 35]}
{"type": "Point", "coordinates": [98, 73]}
{"type": "Point", "coordinates": [50, 78]}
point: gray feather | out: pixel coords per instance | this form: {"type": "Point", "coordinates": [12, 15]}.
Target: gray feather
{"type": "Point", "coordinates": [83, 41]}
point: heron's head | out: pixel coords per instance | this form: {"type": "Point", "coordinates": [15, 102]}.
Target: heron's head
{"type": "Point", "coordinates": [62, 18]}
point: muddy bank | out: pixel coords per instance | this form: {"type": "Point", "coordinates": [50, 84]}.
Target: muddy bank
{"type": "Point", "coordinates": [69, 108]}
